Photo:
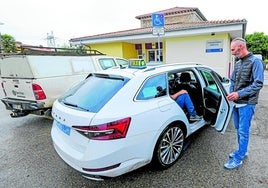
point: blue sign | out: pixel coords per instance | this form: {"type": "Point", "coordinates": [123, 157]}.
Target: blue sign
{"type": "Point", "coordinates": [213, 46]}
{"type": "Point", "coordinates": [158, 20]}
{"type": "Point", "coordinates": [214, 50]}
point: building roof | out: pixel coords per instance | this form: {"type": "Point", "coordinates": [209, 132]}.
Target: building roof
{"type": "Point", "coordinates": [174, 11]}
{"type": "Point", "coordinates": [236, 27]}
{"type": "Point", "coordinates": [168, 28]}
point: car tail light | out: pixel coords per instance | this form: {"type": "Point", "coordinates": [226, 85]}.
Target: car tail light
{"type": "Point", "coordinates": [3, 89]}
{"type": "Point", "coordinates": [108, 131]}
{"type": "Point", "coordinates": [38, 92]}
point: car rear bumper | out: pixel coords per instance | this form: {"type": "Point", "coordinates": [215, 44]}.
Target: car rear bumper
{"type": "Point", "coordinates": [21, 108]}
{"type": "Point", "coordinates": [99, 162]}
{"type": "Point", "coordinates": [15, 104]}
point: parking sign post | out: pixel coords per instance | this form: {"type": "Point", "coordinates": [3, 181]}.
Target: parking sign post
{"type": "Point", "coordinates": [158, 23]}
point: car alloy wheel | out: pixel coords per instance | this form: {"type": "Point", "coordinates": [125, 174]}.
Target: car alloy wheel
{"type": "Point", "coordinates": [169, 147]}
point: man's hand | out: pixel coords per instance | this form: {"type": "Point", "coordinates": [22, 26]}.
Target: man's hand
{"type": "Point", "coordinates": [233, 96]}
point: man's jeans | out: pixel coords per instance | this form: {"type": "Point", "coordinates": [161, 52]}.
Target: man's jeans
{"type": "Point", "coordinates": [184, 101]}
{"type": "Point", "coordinates": [242, 117]}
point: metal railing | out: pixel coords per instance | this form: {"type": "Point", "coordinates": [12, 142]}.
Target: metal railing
{"type": "Point", "coordinates": [54, 51]}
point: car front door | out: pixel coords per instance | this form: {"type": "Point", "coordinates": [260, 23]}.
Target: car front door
{"type": "Point", "coordinates": [217, 109]}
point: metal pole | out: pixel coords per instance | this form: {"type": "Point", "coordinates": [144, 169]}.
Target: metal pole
{"type": "Point", "coordinates": [158, 55]}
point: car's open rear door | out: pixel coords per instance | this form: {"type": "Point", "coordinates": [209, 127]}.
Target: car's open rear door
{"type": "Point", "coordinates": [224, 115]}
{"type": "Point", "coordinates": [218, 110]}
{"type": "Point", "coordinates": [225, 108]}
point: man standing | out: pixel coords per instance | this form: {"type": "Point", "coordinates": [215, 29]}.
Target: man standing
{"type": "Point", "coordinates": [246, 82]}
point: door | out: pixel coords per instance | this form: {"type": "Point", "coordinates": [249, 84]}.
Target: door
{"type": "Point", "coordinates": [153, 56]}
{"type": "Point", "coordinates": [218, 109]}
{"type": "Point", "coordinates": [18, 88]}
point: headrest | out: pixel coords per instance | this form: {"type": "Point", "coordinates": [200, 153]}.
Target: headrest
{"type": "Point", "coordinates": [185, 77]}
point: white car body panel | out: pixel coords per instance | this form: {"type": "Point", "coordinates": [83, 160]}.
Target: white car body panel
{"type": "Point", "coordinates": [148, 120]}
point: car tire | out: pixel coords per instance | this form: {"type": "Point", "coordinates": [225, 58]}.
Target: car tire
{"type": "Point", "coordinates": [169, 147]}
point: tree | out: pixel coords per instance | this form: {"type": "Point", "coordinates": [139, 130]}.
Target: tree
{"type": "Point", "coordinates": [258, 43]}
{"type": "Point", "coordinates": [8, 43]}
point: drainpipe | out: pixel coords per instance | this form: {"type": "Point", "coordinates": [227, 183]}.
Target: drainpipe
{"type": "Point", "coordinates": [1, 39]}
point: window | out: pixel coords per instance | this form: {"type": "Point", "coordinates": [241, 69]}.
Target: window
{"type": "Point", "coordinates": [209, 80]}
{"type": "Point", "coordinates": [107, 63]}
{"type": "Point", "coordinates": [122, 62]}
{"type": "Point", "coordinates": [154, 87]}
{"type": "Point", "coordinates": [139, 54]}
{"type": "Point", "coordinates": [94, 92]}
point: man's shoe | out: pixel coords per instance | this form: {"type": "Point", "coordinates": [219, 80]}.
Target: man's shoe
{"type": "Point", "coordinates": [195, 118]}
{"type": "Point", "coordinates": [232, 164]}
{"type": "Point", "coordinates": [231, 155]}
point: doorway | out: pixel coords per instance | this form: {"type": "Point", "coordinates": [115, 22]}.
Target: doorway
{"type": "Point", "coordinates": [153, 55]}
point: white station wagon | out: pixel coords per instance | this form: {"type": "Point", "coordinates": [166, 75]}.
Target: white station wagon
{"type": "Point", "coordinates": [119, 120]}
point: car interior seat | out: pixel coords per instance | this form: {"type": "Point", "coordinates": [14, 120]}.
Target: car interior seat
{"type": "Point", "coordinates": [185, 81]}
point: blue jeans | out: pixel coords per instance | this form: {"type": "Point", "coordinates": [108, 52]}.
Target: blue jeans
{"type": "Point", "coordinates": [242, 117]}
{"type": "Point", "coordinates": [184, 101]}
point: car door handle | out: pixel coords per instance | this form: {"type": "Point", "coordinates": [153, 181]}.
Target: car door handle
{"type": "Point", "coordinates": [222, 111]}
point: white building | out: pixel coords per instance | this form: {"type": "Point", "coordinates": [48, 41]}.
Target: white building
{"type": "Point", "coordinates": [186, 36]}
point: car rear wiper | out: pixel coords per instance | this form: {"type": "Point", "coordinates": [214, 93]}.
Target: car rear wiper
{"type": "Point", "coordinates": [70, 104]}
{"type": "Point", "coordinates": [74, 105]}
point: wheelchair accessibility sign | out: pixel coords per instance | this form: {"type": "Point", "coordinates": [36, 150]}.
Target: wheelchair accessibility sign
{"type": "Point", "coordinates": [158, 20]}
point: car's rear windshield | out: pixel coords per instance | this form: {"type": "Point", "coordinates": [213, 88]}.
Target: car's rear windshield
{"type": "Point", "coordinates": [94, 92]}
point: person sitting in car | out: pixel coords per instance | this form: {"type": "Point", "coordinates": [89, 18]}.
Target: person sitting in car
{"type": "Point", "coordinates": [183, 99]}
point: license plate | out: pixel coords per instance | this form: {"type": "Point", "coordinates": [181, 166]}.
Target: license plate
{"type": "Point", "coordinates": [16, 106]}
{"type": "Point", "coordinates": [63, 128]}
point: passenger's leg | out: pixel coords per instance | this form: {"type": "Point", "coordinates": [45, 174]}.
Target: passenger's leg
{"type": "Point", "coordinates": [184, 101]}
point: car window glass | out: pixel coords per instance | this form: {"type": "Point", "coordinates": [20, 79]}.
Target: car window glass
{"type": "Point", "coordinates": [107, 63]}
{"type": "Point", "coordinates": [93, 93]}
{"type": "Point", "coordinates": [154, 87]}
{"type": "Point", "coordinates": [222, 79]}
{"type": "Point", "coordinates": [182, 79]}
{"type": "Point", "coordinates": [209, 80]}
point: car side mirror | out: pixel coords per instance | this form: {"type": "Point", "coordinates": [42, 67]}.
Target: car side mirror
{"type": "Point", "coordinates": [225, 80]}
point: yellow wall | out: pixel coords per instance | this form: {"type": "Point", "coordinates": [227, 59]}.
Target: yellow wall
{"type": "Point", "coordinates": [111, 49]}
{"type": "Point", "coordinates": [129, 51]}
{"type": "Point", "coordinates": [123, 49]}
{"type": "Point", "coordinates": [118, 49]}
{"type": "Point", "coordinates": [179, 49]}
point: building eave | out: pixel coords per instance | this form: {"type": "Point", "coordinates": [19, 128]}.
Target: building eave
{"type": "Point", "coordinates": [236, 28]}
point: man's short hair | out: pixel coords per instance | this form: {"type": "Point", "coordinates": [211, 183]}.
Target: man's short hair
{"type": "Point", "coordinates": [239, 39]}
